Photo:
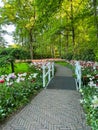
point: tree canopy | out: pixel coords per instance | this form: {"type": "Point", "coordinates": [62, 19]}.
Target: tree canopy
{"type": "Point", "coordinates": [54, 28]}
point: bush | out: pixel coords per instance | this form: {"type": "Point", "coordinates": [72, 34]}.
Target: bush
{"type": "Point", "coordinates": [17, 89]}
{"type": "Point", "coordinates": [16, 96]}
{"type": "Point", "coordinates": [89, 94]}
{"type": "Point", "coordinates": [69, 56]}
{"type": "Point", "coordinates": [89, 105]}
{"type": "Point", "coordinates": [86, 55]}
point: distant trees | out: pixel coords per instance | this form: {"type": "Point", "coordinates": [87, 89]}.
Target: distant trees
{"type": "Point", "coordinates": [2, 40]}
{"type": "Point", "coordinates": [60, 28]}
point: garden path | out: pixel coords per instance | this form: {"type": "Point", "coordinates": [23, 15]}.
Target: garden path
{"type": "Point", "coordinates": [63, 79]}
{"type": "Point", "coordinates": [53, 108]}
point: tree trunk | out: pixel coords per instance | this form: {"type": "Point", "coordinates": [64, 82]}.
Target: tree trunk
{"type": "Point", "coordinates": [12, 66]}
{"type": "Point", "coordinates": [31, 44]}
{"type": "Point", "coordinates": [52, 50]}
{"type": "Point", "coordinates": [60, 49]}
{"type": "Point", "coordinates": [95, 17]}
{"type": "Point", "coordinates": [72, 25]}
{"type": "Point", "coordinates": [32, 35]}
{"type": "Point", "coordinates": [67, 42]}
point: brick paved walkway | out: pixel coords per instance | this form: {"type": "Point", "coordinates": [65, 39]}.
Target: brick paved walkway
{"type": "Point", "coordinates": [63, 79]}
{"type": "Point", "coordinates": [51, 109]}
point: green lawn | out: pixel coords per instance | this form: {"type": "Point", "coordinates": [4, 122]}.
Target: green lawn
{"type": "Point", "coordinates": [21, 67]}
{"type": "Point", "coordinates": [18, 67]}
{"type": "Point", "coordinates": [18, 90]}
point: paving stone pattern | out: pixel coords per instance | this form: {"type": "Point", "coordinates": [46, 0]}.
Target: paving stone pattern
{"type": "Point", "coordinates": [63, 71]}
{"type": "Point", "coordinates": [51, 109]}
{"type": "Point", "coordinates": [63, 79]}
{"type": "Point", "coordinates": [61, 82]}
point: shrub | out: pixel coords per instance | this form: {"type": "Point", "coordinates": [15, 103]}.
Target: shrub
{"type": "Point", "coordinates": [16, 90]}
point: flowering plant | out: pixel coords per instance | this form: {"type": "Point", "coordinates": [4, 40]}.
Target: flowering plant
{"type": "Point", "coordinates": [16, 89]}
{"type": "Point", "coordinates": [89, 94]}
{"type": "Point", "coordinates": [89, 91]}
{"type": "Point", "coordinates": [89, 102]}
{"type": "Point", "coordinates": [1, 80]}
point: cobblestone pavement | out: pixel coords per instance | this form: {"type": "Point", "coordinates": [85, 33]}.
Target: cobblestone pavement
{"type": "Point", "coordinates": [51, 109]}
{"type": "Point", "coordinates": [63, 71]}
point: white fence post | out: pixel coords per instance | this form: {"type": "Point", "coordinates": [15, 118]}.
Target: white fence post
{"type": "Point", "coordinates": [78, 75]}
{"type": "Point", "coordinates": [49, 67]}
{"type": "Point", "coordinates": [52, 69]}
{"type": "Point", "coordinates": [48, 71]}
{"type": "Point", "coordinates": [43, 67]}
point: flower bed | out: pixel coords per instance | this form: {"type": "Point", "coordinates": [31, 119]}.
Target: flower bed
{"type": "Point", "coordinates": [17, 89]}
{"type": "Point", "coordinates": [90, 95]}
{"type": "Point", "coordinates": [89, 92]}
{"type": "Point", "coordinates": [90, 105]}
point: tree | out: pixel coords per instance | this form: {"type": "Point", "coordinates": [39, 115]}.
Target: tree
{"type": "Point", "coordinates": [9, 55]}
{"type": "Point", "coordinates": [2, 40]}
{"type": "Point", "coordinates": [65, 27]}
{"type": "Point", "coordinates": [95, 13]}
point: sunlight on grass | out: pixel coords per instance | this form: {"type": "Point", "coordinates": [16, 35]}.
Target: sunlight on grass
{"type": "Point", "coordinates": [21, 67]}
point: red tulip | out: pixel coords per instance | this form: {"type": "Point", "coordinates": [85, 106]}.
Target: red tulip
{"type": "Point", "coordinates": [1, 81]}
{"type": "Point", "coordinates": [96, 76]}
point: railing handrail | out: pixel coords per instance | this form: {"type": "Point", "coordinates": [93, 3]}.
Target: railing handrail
{"type": "Point", "coordinates": [78, 75]}
{"type": "Point", "coordinates": [50, 72]}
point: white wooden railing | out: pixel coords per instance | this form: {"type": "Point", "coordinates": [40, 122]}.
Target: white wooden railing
{"type": "Point", "coordinates": [78, 75]}
{"type": "Point", "coordinates": [48, 73]}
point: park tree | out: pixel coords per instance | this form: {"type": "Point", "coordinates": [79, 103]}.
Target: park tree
{"type": "Point", "coordinates": [9, 55]}
{"type": "Point", "coordinates": [28, 17]}
{"type": "Point", "coordinates": [68, 27]}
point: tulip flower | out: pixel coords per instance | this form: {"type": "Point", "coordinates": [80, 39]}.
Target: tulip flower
{"type": "Point", "coordinates": [1, 80]}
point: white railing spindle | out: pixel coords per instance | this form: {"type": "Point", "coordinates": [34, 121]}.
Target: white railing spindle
{"type": "Point", "coordinates": [52, 69]}
{"type": "Point", "coordinates": [48, 71]}
{"type": "Point", "coordinates": [43, 67]}
{"type": "Point", "coordinates": [78, 75]}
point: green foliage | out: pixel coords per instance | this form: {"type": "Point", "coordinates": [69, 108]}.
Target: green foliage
{"type": "Point", "coordinates": [87, 74]}
{"type": "Point", "coordinates": [88, 94]}
{"type": "Point", "coordinates": [8, 56]}
{"type": "Point", "coordinates": [13, 53]}
{"type": "Point", "coordinates": [19, 68]}
{"type": "Point", "coordinates": [69, 56]}
{"type": "Point", "coordinates": [2, 40]}
{"type": "Point", "coordinates": [16, 95]}
{"type": "Point", "coordinates": [68, 26]}
{"type": "Point", "coordinates": [86, 55]}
